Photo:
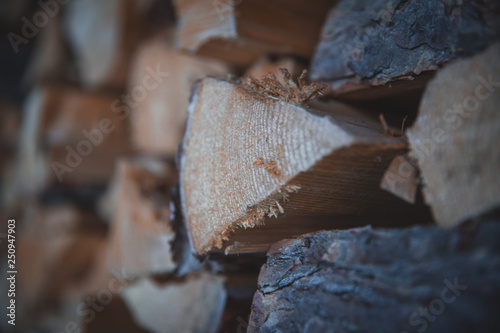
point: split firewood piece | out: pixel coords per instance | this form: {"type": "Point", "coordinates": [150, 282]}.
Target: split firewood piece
{"type": "Point", "coordinates": [395, 44]}
{"type": "Point", "coordinates": [251, 156]}
{"type": "Point", "coordinates": [159, 113]}
{"type": "Point", "coordinates": [398, 280]}
{"type": "Point", "coordinates": [60, 251]}
{"type": "Point", "coordinates": [401, 179]}
{"type": "Point", "coordinates": [239, 31]}
{"type": "Point", "coordinates": [102, 36]}
{"type": "Point", "coordinates": [52, 61]}
{"type": "Point", "coordinates": [69, 135]}
{"type": "Point", "coordinates": [141, 230]}
{"type": "Point", "coordinates": [194, 304]}
{"type": "Point", "coordinates": [455, 139]}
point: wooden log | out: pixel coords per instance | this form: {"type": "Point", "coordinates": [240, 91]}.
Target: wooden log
{"type": "Point", "coordinates": [401, 179]}
{"type": "Point", "coordinates": [191, 305]}
{"type": "Point", "coordinates": [114, 317]}
{"type": "Point", "coordinates": [69, 135]}
{"type": "Point", "coordinates": [239, 31]}
{"type": "Point", "coordinates": [141, 231]}
{"type": "Point", "coordinates": [397, 280]}
{"type": "Point", "coordinates": [158, 120]}
{"type": "Point", "coordinates": [250, 161]}
{"type": "Point", "coordinates": [52, 61]}
{"type": "Point", "coordinates": [396, 45]}
{"type": "Point", "coordinates": [59, 250]}
{"type": "Point", "coordinates": [102, 36]}
{"type": "Point", "coordinates": [455, 139]}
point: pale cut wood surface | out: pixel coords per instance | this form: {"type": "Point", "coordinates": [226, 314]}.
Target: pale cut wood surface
{"type": "Point", "coordinates": [456, 139]}
{"type": "Point", "coordinates": [141, 230]}
{"type": "Point", "coordinates": [247, 157]}
{"type": "Point", "coordinates": [192, 305]}
{"type": "Point", "coordinates": [102, 36]}
{"type": "Point", "coordinates": [158, 120]}
{"type": "Point", "coordinates": [239, 31]}
{"type": "Point", "coordinates": [401, 179]}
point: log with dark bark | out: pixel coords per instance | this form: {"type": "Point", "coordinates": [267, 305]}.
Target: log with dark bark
{"type": "Point", "coordinates": [255, 169]}
{"type": "Point", "coordinates": [393, 45]}
{"type": "Point", "coordinates": [238, 31]}
{"type": "Point", "coordinates": [455, 139]}
{"type": "Point", "coordinates": [366, 280]}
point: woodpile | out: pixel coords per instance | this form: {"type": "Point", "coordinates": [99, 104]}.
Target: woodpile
{"type": "Point", "coordinates": [251, 166]}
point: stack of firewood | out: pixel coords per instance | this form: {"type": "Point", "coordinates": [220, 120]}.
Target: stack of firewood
{"type": "Point", "coordinates": [258, 166]}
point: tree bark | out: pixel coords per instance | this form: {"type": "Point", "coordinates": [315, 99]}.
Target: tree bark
{"type": "Point", "coordinates": [395, 45]}
{"type": "Point", "coordinates": [368, 280]}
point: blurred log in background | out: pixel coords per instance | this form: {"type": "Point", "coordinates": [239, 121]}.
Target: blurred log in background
{"type": "Point", "coordinates": [153, 152]}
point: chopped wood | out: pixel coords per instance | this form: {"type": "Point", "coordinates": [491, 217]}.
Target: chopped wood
{"type": "Point", "coordinates": [394, 280]}
{"type": "Point", "coordinates": [69, 135]}
{"type": "Point", "coordinates": [239, 32]}
{"type": "Point", "coordinates": [60, 252]}
{"type": "Point", "coordinates": [395, 45]}
{"type": "Point", "coordinates": [290, 91]}
{"type": "Point", "coordinates": [192, 305]}
{"type": "Point", "coordinates": [253, 162]}
{"type": "Point", "coordinates": [141, 232]}
{"type": "Point", "coordinates": [102, 36]}
{"type": "Point", "coordinates": [401, 179]}
{"type": "Point", "coordinates": [264, 65]}
{"type": "Point", "coordinates": [158, 119]}
{"type": "Point", "coordinates": [455, 139]}
{"type": "Point", "coordinates": [52, 61]}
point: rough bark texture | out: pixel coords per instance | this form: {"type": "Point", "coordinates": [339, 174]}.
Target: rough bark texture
{"type": "Point", "coordinates": [158, 120]}
{"type": "Point", "coordinates": [377, 43]}
{"type": "Point", "coordinates": [194, 305]}
{"type": "Point", "coordinates": [249, 161]}
{"type": "Point", "coordinates": [239, 31]}
{"type": "Point", "coordinates": [364, 280]}
{"type": "Point", "coordinates": [142, 231]}
{"type": "Point", "coordinates": [455, 139]}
